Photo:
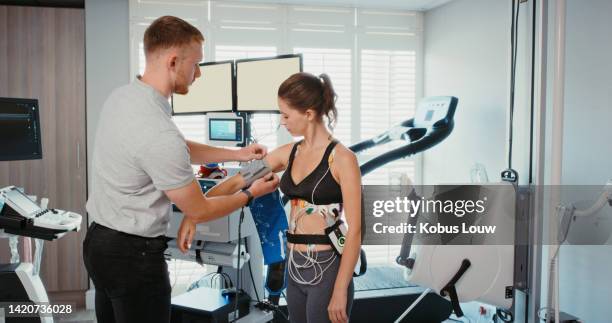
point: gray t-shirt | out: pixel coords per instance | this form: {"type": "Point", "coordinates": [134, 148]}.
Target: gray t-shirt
{"type": "Point", "coordinates": [139, 153]}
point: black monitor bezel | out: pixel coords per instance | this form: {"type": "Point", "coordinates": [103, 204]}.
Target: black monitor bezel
{"type": "Point", "coordinates": [39, 155]}
{"type": "Point", "coordinates": [233, 91]}
{"type": "Point", "coordinates": [301, 60]}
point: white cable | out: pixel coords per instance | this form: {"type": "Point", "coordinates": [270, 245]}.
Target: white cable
{"type": "Point", "coordinates": [601, 202]}
{"type": "Point", "coordinates": [311, 259]}
{"type": "Point", "coordinates": [317, 185]}
{"type": "Point", "coordinates": [553, 289]}
{"type": "Point", "coordinates": [413, 305]}
{"type": "Point", "coordinates": [312, 262]}
{"type": "Point", "coordinates": [553, 272]}
{"type": "Point", "coordinates": [556, 291]}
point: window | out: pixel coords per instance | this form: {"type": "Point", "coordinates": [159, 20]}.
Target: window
{"type": "Point", "coordinates": [388, 96]}
{"type": "Point", "coordinates": [337, 64]}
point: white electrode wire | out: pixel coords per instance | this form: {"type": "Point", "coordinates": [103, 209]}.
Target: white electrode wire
{"type": "Point", "coordinates": [311, 258]}
{"type": "Point", "coordinates": [413, 305]}
{"type": "Point", "coordinates": [311, 262]}
{"type": "Point", "coordinates": [317, 185]}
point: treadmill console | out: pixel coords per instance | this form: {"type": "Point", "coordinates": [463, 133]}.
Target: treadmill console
{"type": "Point", "coordinates": [435, 109]}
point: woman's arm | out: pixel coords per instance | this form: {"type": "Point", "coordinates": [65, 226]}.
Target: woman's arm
{"type": "Point", "coordinates": [276, 159]}
{"type": "Point", "coordinates": [204, 154]}
{"type": "Point", "coordinates": [349, 178]}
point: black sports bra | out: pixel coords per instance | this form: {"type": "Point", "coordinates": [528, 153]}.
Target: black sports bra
{"type": "Point", "coordinates": [326, 189]}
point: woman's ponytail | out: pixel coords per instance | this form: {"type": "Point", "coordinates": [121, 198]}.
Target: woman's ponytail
{"type": "Point", "coordinates": [328, 101]}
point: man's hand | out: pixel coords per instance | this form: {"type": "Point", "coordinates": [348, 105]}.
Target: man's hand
{"type": "Point", "coordinates": [253, 151]}
{"type": "Point", "coordinates": [264, 185]}
{"type": "Point", "coordinates": [185, 234]}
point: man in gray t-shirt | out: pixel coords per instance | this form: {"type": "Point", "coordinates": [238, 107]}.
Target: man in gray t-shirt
{"type": "Point", "coordinates": [141, 164]}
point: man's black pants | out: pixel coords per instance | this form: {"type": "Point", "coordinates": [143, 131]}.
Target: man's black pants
{"type": "Point", "coordinates": [130, 275]}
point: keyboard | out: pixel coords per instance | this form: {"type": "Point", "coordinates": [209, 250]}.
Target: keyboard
{"type": "Point", "coordinates": [58, 220]}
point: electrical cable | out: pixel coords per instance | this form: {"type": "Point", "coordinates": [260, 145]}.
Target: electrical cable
{"type": "Point", "coordinates": [278, 310]}
{"type": "Point", "coordinates": [533, 44]}
{"type": "Point", "coordinates": [413, 305]}
{"type": "Point", "coordinates": [504, 315]}
{"type": "Point", "coordinates": [266, 305]}
{"type": "Point", "coordinates": [238, 265]}
{"type": "Point", "coordinates": [265, 135]}
{"type": "Point", "coordinates": [532, 113]}
{"type": "Point", "coordinates": [513, 58]}
{"type": "Point", "coordinates": [512, 22]}
{"type": "Point", "coordinates": [246, 248]}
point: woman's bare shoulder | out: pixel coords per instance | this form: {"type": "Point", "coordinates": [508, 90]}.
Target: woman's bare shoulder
{"type": "Point", "coordinates": [344, 155]}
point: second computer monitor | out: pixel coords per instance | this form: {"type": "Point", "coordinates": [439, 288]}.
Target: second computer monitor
{"type": "Point", "coordinates": [211, 92]}
{"type": "Point", "coordinates": [257, 81]}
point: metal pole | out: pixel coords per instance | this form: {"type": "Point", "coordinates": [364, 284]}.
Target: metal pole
{"type": "Point", "coordinates": [556, 145]}
{"type": "Point", "coordinates": [536, 227]}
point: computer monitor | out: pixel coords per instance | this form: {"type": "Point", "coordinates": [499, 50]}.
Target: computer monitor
{"type": "Point", "coordinates": [257, 81]}
{"type": "Point", "coordinates": [226, 129]}
{"type": "Point", "coordinates": [211, 92]}
{"type": "Point", "coordinates": [19, 129]}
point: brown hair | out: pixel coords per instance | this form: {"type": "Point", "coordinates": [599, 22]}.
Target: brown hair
{"type": "Point", "coordinates": [168, 31]}
{"type": "Point", "coordinates": [303, 91]}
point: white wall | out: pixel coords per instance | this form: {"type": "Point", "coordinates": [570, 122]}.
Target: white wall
{"type": "Point", "coordinates": [588, 93]}
{"type": "Point", "coordinates": [107, 58]}
{"type": "Point", "coordinates": [107, 67]}
{"type": "Point", "coordinates": [585, 279]}
{"type": "Point", "coordinates": [466, 55]}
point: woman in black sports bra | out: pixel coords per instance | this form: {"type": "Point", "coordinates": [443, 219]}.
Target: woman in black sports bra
{"type": "Point", "coordinates": [323, 181]}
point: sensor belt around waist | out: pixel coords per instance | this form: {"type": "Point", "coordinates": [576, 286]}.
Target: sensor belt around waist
{"type": "Point", "coordinates": [312, 238]}
{"type": "Point", "coordinates": [307, 238]}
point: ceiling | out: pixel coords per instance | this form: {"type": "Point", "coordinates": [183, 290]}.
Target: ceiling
{"type": "Point", "coordinates": [418, 5]}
